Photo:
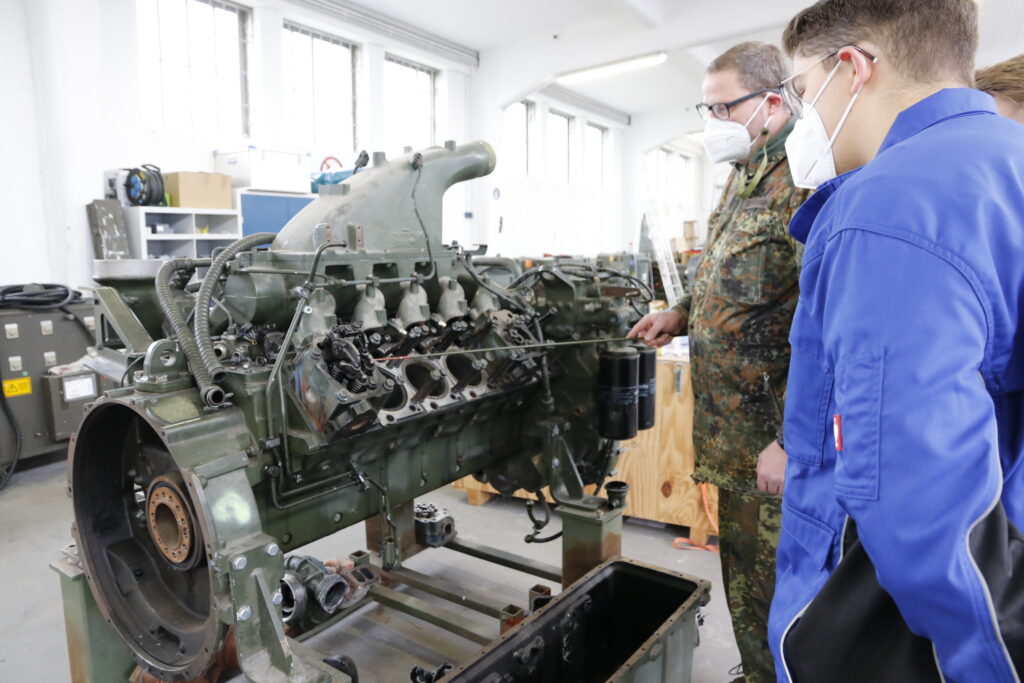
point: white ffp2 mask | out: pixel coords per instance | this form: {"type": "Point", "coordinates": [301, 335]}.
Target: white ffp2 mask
{"type": "Point", "coordinates": [809, 148]}
{"type": "Point", "coordinates": [729, 140]}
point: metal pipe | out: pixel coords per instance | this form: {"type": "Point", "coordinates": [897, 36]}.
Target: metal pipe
{"type": "Point", "coordinates": [547, 398]}
{"type": "Point", "coordinates": [280, 498]}
{"type": "Point", "coordinates": [274, 372]}
{"type": "Point", "coordinates": [505, 559]}
{"type": "Point", "coordinates": [523, 347]}
{"type": "Point", "coordinates": [316, 259]}
{"type": "Point", "coordinates": [428, 612]}
{"type": "Point", "coordinates": [209, 359]}
{"type": "Point", "coordinates": [450, 592]}
{"type": "Point", "coordinates": [511, 264]}
{"type": "Point", "coordinates": [510, 298]}
{"type": "Point", "coordinates": [211, 394]}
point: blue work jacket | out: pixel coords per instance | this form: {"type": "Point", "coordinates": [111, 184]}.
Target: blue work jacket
{"type": "Point", "coordinates": [901, 557]}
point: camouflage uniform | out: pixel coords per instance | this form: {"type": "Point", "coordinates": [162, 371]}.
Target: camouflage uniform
{"type": "Point", "coordinates": [738, 318]}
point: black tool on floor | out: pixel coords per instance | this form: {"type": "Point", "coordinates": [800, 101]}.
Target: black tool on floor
{"type": "Point", "coordinates": [421, 675]}
{"type": "Point", "coordinates": [345, 665]}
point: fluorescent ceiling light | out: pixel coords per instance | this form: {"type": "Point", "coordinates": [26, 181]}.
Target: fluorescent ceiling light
{"type": "Point", "coordinates": [612, 69]}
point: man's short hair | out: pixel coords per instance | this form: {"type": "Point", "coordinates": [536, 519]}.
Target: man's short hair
{"type": "Point", "coordinates": [927, 42]}
{"type": "Point", "coordinates": [1005, 79]}
{"type": "Point", "coordinates": [759, 65]}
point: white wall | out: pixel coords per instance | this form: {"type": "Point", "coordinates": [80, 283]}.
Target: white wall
{"type": "Point", "coordinates": [533, 214]}
{"type": "Point", "coordinates": [26, 244]}
{"type": "Point", "coordinates": [71, 109]}
{"type": "Point", "coordinates": [650, 131]}
{"type": "Point", "coordinates": [510, 72]}
{"type": "Point", "coordinates": [1001, 26]}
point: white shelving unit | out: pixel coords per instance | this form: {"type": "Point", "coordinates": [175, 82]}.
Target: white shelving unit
{"type": "Point", "coordinates": [191, 233]}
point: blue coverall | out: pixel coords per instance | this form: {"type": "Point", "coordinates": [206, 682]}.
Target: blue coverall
{"type": "Point", "coordinates": [901, 555]}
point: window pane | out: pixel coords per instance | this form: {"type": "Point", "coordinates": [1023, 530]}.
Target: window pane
{"type": "Point", "coordinates": [192, 65]}
{"type": "Point", "coordinates": [149, 63]}
{"type": "Point", "coordinates": [593, 144]}
{"type": "Point", "coordinates": [671, 179]}
{"type": "Point", "coordinates": [514, 155]}
{"type": "Point", "coordinates": [332, 97]}
{"type": "Point", "coordinates": [174, 64]}
{"type": "Point", "coordinates": [408, 106]}
{"type": "Point", "coordinates": [319, 108]}
{"type": "Point", "coordinates": [202, 57]}
{"type": "Point", "coordinates": [303, 88]}
{"type": "Point", "coordinates": [229, 69]}
{"type": "Point", "coordinates": [558, 147]}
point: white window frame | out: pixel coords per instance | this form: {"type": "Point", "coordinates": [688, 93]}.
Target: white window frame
{"type": "Point", "coordinates": [531, 137]}
{"type": "Point", "coordinates": [569, 156]}
{"type": "Point", "coordinates": [434, 73]}
{"type": "Point", "coordinates": [603, 154]}
{"type": "Point", "coordinates": [317, 34]}
{"type": "Point", "coordinates": [245, 32]}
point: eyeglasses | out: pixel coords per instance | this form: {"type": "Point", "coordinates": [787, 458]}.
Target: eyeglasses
{"type": "Point", "coordinates": [721, 110]}
{"type": "Point", "coordinates": [794, 100]}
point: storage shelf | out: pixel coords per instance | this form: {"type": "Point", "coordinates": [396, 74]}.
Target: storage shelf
{"type": "Point", "coordinates": [224, 226]}
{"type": "Point", "coordinates": [184, 211]}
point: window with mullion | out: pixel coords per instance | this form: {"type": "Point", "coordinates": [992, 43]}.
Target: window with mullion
{"type": "Point", "coordinates": [320, 104]}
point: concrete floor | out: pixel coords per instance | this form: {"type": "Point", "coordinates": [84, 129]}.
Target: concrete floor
{"type": "Point", "coordinates": [35, 518]}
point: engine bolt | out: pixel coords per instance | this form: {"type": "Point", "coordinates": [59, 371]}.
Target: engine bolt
{"type": "Point", "coordinates": [239, 563]}
{"type": "Point", "coordinates": [277, 598]}
{"type": "Point", "coordinates": [243, 613]}
{"type": "Point", "coordinates": [273, 549]}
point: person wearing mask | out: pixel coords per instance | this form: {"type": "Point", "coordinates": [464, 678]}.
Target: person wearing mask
{"type": "Point", "coordinates": [901, 556]}
{"type": "Point", "coordinates": [1004, 82]}
{"type": "Point", "coordinates": [738, 318]}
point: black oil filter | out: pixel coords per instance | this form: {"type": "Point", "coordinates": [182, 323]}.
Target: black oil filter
{"type": "Point", "coordinates": [647, 385]}
{"type": "Point", "coordinates": [618, 374]}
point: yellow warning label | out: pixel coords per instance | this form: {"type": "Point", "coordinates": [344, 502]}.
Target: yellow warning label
{"type": "Point", "coordinates": [17, 387]}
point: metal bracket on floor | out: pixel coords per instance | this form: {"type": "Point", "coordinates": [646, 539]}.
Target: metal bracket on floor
{"type": "Point", "coordinates": [95, 651]}
{"type": "Point", "coordinates": [539, 596]}
{"type": "Point", "coordinates": [441, 588]}
{"type": "Point", "coordinates": [506, 559]}
{"type": "Point", "coordinates": [510, 616]}
{"type": "Point", "coordinates": [589, 538]}
{"type": "Point", "coordinates": [428, 612]}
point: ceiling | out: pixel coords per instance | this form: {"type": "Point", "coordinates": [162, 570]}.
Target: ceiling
{"type": "Point", "coordinates": [675, 83]}
{"type": "Point", "coordinates": [565, 35]}
{"type": "Point", "coordinates": [484, 24]}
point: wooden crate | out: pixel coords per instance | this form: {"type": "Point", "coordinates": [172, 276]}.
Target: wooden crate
{"type": "Point", "coordinates": [657, 464]}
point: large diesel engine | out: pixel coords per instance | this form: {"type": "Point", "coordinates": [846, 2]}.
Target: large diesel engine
{"type": "Point", "coordinates": [302, 382]}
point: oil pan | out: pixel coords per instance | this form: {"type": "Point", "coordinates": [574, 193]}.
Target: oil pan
{"type": "Point", "coordinates": [625, 621]}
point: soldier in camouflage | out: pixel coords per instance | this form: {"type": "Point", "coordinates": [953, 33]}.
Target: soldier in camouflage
{"type": "Point", "coordinates": [738, 317]}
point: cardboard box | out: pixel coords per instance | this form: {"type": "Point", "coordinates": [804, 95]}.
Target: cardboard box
{"type": "Point", "coordinates": [199, 190]}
